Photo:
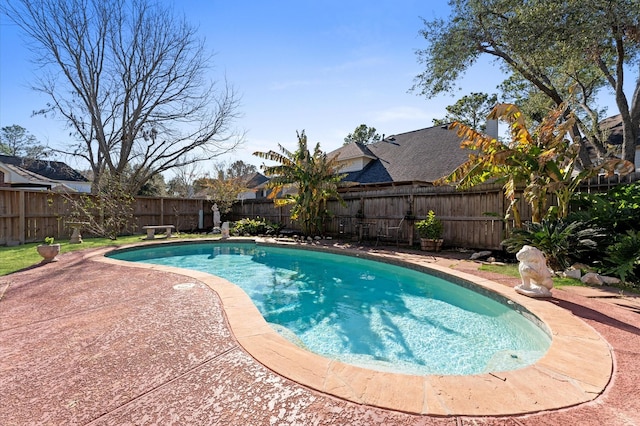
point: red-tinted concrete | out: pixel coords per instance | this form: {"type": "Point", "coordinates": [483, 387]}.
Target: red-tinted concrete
{"type": "Point", "coordinates": [87, 342]}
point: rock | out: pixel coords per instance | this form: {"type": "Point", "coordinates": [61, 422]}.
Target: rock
{"type": "Point", "coordinates": [580, 266]}
{"type": "Point", "coordinates": [317, 238]}
{"type": "Point", "coordinates": [329, 238]}
{"type": "Point", "coordinates": [610, 280]}
{"type": "Point", "coordinates": [591, 278]}
{"type": "Point", "coordinates": [480, 255]}
{"type": "Point", "coordinates": [572, 273]}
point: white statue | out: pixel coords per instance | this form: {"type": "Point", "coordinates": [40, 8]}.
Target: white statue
{"type": "Point", "coordinates": [536, 277]}
{"type": "Point", "coordinates": [216, 219]}
{"type": "Point", "coordinates": [225, 230]}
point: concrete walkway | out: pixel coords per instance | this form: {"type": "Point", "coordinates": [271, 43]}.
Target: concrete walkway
{"type": "Point", "coordinates": [85, 342]}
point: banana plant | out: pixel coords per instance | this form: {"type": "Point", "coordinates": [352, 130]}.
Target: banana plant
{"type": "Point", "coordinates": [543, 162]}
{"type": "Point", "coordinates": [312, 178]}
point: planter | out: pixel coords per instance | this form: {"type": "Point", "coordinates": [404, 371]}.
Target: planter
{"type": "Point", "coordinates": [428, 244]}
{"type": "Point", "coordinates": [48, 252]}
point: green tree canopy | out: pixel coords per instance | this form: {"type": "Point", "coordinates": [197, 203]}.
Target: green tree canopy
{"type": "Point", "coordinates": [471, 110]}
{"type": "Point", "coordinates": [363, 134]}
{"type": "Point", "coordinates": [312, 174]}
{"type": "Point", "coordinates": [239, 169]}
{"type": "Point", "coordinates": [562, 48]}
{"type": "Point", "coordinates": [17, 141]}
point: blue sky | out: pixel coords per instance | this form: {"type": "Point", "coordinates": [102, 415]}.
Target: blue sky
{"type": "Point", "coordinates": [322, 66]}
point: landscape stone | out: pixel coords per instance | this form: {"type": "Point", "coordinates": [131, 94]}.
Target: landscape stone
{"type": "Point", "coordinates": [591, 278]}
{"type": "Point", "coordinates": [480, 255]}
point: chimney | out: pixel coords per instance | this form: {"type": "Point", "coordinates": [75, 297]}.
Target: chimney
{"type": "Point", "coordinates": [492, 128]}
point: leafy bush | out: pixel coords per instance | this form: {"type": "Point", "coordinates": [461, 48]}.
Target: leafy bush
{"type": "Point", "coordinates": [431, 227]}
{"type": "Point", "coordinates": [617, 211]}
{"type": "Point", "coordinates": [257, 226]}
{"type": "Point", "coordinates": [562, 242]}
{"type": "Point", "coordinates": [623, 257]}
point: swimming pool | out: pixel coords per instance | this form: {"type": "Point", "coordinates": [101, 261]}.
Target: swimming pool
{"type": "Point", "coordinates": [371, 314]}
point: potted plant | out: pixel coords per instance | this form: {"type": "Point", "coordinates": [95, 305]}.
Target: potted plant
{"type": "Point", "coordinates": [430, 230]}
{"type": "Point", "coordinates": [48, 250]}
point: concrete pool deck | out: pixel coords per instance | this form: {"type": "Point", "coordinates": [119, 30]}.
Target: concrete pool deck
{"type": "Point", "coordinates": [85, 341]}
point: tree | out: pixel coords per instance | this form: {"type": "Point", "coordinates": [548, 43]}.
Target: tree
{"type": "Point", "coordinates": [183, 183]}
{"type": "Point", "coordinates": [470, 110]}
{"type": "Point", "coordinates": [534, 104]}
{"type": "Point", "coordinates": [543, 161]}
{"type": "Point", "coordinates": [239, 169]}
{"type": "Point", "coordinates": [363, 134]}
{"type": "Point", "coordinates": [559, 47]}
{"type": "Point", "coordinates": [154, 187]}
{"type": "Point", "coordinates": [129, 78]}
{"type": "Point", "coordinates": [312, 174]}
{"type": "Point", "coordinates": [228, 184]}
{"type": "Point", "coordinates": [17, 141]}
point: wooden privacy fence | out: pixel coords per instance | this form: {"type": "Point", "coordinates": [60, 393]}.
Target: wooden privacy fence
{"type": "Point", "coordinates": [30, 216]}
{"type": "Point", "coordinates": [472, 219]}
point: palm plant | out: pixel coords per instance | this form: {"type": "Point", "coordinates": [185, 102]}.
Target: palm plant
{"type": "Point", "coordinates": [562, 242]}
{"type": "Point", "coordinates": [313, 175]}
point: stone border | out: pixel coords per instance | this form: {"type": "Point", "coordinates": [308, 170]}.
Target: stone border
{"type": "Point", "coordinates": [576, 369]}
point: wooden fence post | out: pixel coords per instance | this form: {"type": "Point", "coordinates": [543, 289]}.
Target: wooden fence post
{"type": "Point", "coordinates": [22, 218]}
{"type": "Point", "coordinates": [162, 211]}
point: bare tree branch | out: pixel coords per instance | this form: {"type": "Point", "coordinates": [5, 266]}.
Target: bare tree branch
{"type": "Point", "coordinates": [131, 81]}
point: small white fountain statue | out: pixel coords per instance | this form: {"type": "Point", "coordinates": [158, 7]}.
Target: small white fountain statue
{"type": "Point", "coordinates": [536, 277]}
{"type": "Point", "coordinates": [225, 230]}
{"type": "Point", "coordinates": [216, 218]}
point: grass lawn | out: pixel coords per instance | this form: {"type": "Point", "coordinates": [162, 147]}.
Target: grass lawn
{"type": "Point", "coordinates": [15, 258]}
{"type": "Point", "coordinates": [511, 270]}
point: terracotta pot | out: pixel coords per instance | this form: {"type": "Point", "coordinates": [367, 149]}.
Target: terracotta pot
{"type": "Point", "coordinates": [48, 252]}
{"type": "Point", "coordinates": [428, 244]}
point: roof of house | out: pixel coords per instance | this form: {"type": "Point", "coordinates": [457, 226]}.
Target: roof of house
{"type": "Point", "coordinates": [352, 150]}
{"type": "Point", "coordinates": [253, 180]}
{"type": "Point", "coordinates": [54, 170]}
{"type": "Point", "coordinates": [422, 155]}
{"type": "Point", "coordinates": [613, 125]}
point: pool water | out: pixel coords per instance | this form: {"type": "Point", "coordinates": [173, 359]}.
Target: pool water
{"type": "Point", "coordinates": [367, 313]}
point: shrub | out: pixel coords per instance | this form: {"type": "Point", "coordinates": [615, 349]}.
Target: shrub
{"type": "Point", "coordinates": [108, 213]}
{"type": "Point", "coordinates": [617, 211]}
{"type": "Point", "coordinates": [257, 226]}
{"type": "Point", "coordinates": [561, 241]}
{"type": "Point", "coordinates": [431, 227]}
{"type": "Point", "coordinates": [623, 257]}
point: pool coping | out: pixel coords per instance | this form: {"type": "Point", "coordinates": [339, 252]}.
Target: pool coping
{"type": "Point", "coordinates": [576, 369]}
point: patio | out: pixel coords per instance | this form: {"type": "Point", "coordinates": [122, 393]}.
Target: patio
{"type": "Point", "coordinates": [87, 342]}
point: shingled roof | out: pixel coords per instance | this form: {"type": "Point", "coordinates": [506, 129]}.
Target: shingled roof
{"type": "Point", "coordinates": [419, 156]}
{"type": "Point", "coordinates": [613, 126]}
{"type": "Point", "coordinates": [54, 170]}
{"type": "Point", "coordinates": [254, 180]}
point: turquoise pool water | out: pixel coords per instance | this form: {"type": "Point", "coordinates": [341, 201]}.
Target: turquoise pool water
{"type": "Point", "coordinates": [367, 313]}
